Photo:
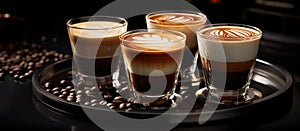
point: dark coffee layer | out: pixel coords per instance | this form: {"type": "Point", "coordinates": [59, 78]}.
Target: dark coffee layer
{"type": "Point", "coordinates": [236, 73]}
{"type": "Point", "coordinates": [161, 84]}
{"type": "Point", "coordinates": [230, 66]}
{"type": "Point", "coordinates": [102, 67]}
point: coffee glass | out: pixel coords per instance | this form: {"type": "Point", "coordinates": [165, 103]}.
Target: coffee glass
{"type": "Point", "coordinates": [186, 22]}
{"type": "Point", "coordinates": [228, 53]}
{"type": "Point", "coordinates": [94, 43]}
{"type": "Point", "coordinates": [152, 59]}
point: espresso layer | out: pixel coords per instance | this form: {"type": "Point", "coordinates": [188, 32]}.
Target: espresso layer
{"type": "Point", "coordinates": [161, 84]}
{"type": "Point", "coordinates": [237, 73]}
{"type": "Point", "coordinates": [227, 66]}
{"type": "Point", "coordinates": [89, 38]}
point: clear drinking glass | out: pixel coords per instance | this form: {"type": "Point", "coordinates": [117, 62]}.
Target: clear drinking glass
{"type": "Point", "coordinates": [94, 42]}
{"type": "Point", "coordinates": [228, 53]}
{"type": "Point", "coordinates": [152, 60]}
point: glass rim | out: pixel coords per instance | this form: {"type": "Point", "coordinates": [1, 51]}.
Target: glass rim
{"type": "Point", "coordinates": [202, 15]}
{"type": "Point", "coordinates": [123, 22]}
{"type": "Point", "coordinates": [212, 26]}
{"type": "Point", "coordinates": [122, 39]}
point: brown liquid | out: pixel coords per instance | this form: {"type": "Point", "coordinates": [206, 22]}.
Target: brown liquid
{"type": "Point", "coordinates": [237, 73]}
{"type": "Point", "coordinates": [143, 84]}
{"type": "Point", "coordinates": [102, 67]}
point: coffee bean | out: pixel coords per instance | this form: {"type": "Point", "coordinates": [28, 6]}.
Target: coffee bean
{"type": "Point", "coordinates": [63, 82]}
{"type": "Point", "coordinates": [56, 93]}
{"type": "Point", "coordinates": [69, 87]}
{"type": "Point", "coordinates": [48, 90]}
{"type": "Point", "coordinates": [87, 103]}
{"type": "Point", "coordinates": [94, 101]}
{"type": "Point", "coordinates": [61, 96]}
{"type": "Point", "coordinates": [119, 99]}
{"type": "Point", "coordinates": [22, 78]}
{"type": "Point", "coordinates": [2, 76]}
{"type": "Point", "coordinates": [129, 109]}
{"type": "Point", "coordinates": [56, 89]}
{"type": "Point", "coordinates": [102, 103]}
{"type": "Point", "coordinates": [94, 104]}
{"type": "Point", "coordinates": [65, 93]}
{"type": "Point", "coordinates": [73, 90]}
{"type": "Point", "coordinates": [129, 105]}
{"type": "Point", "coordinates": [122, 106]}
{"type": "Point", "coordinates": [79, 92]}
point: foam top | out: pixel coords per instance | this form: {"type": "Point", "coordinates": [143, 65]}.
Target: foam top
{"type": "Point", "coordinates": [154, 41]}
{"type": "Point", "coordinates": [177, 18]}
{"type": "Point", "coordinates": [230, 33]}
{"type": "Point", "coordinates": [96, 29]}
{"type": "Point", "coordinates": [229, 43]}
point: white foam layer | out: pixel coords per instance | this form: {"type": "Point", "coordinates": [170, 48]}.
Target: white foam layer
{"type": "Point", "coordinates": [97, 29]}
{"type": "Point", "coordinates": [228, 51]}
{"type": "Point", "coordinates": [153, 41]}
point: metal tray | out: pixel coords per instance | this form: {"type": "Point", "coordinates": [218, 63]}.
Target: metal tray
{"type": "Point", "coordinates": [273, 81]}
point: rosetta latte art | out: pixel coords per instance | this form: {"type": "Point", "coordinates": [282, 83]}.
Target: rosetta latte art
{"type": "Point", "coordinates": [175, 19]}
{"type": "Point", "coordinates": [224, 33]}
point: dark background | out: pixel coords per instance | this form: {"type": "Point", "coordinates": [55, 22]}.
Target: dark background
{"type": "Point", "coordinates": [45, 20]}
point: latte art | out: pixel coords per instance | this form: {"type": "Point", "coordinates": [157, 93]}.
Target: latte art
{"type": "Point", "coordinates": [232, 34]}
{"type": "Point", "coordinates": [150, 38]}
{"type": "Point", "coordinates": [175, 19]}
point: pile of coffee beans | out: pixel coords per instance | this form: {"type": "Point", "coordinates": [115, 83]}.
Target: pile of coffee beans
{"type": "Point", "coordinates": [94, 96]}
{"type": "Point", "coordinates": [21, 61]}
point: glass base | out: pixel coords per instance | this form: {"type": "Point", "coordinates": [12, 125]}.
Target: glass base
{"type": "Point", "coordinates": [249, 95]}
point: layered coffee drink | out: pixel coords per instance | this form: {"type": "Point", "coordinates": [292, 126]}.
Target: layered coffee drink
{"type": "Point", "coordinates": [97, 42]}
{"type": "Point", "coordinates": [230, 51]}
{"type": "Point", "coordinates": [153, 59]}
{"type": "Point", "coordinates": [186, 22]}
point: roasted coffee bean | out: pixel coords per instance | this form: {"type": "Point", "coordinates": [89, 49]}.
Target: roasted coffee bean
{"type": "Point", "coordinates": [48, 90]}
{"type": "Point", "coordinates": [122, 106]}
{"type": "Point", "coordinates": [56, 93]}
{"type": "Point", "coordinates": [47, 84]}
{"type": "Point", "coordinates": [63, 82]}
{"type": "Point", "coordinates": [87, 103]}
{"type": "Point", "coordinates": [70, 98]}
{"type": "Point", "coordinates": [94, 101]}
{"type": "Point", "coordinates": [69, 87]}
{"type": "Point", "coordinates": [102, 103]}
{"type": "Point", "coordinates": [73, 90]}
{"type": "Point", "coordinates": [22, 78]}
{"type": "Point", "coordinates": [78, 92]}
{"type": "Point", "coordinates": [64, 90]}
{"type": "Point", "coordinates": [56, 89]}
{"type": "Point", "coordinates": [2, 76]}
{"type": "Point", "coordinates": [129, 109]}
{"type": "Point", "coordinates": [119, 99]}
{"type": "Point", "coordinates": [72, 94]}
{"type": "Point", "coordinates": [61, 96]}
{"type": "Point", "coordinates": [94, 104]}
{"type": "Point", "coordinates": [108, 97]}
{"type": "Point", "coordinates": [65, 93]}
{"type": "Point", "coordinates": [129, 105]}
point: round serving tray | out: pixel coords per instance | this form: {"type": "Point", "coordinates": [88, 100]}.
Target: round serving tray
{"type": "Point", "coordinates": [272, 81]}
